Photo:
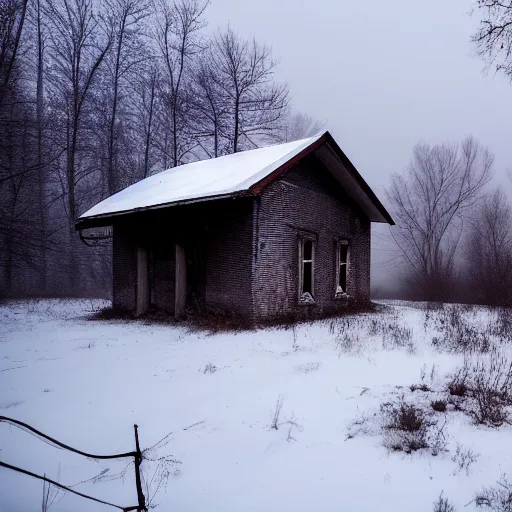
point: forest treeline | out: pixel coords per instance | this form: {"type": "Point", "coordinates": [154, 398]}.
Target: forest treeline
{"type": "Point", "coordinates": [95, 95]}
{"type": "Point", "coordinates": [454, 219]}
{"type": "Point", "coordinates": [454, 226]}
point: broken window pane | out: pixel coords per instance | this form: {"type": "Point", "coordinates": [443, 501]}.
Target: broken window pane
{"type": "Point", "coordinates": [307, 281]}
{"type": "Point", "coordinates": [343, 253]}
{"type": "Point", "coordinates": [308, 250]}
{"type": "Point", "coordinates": [343, 277]}
{"type": "Point", "coordinates": [342, 268]}
{"type": "Point", "coordinates": [307, 258]}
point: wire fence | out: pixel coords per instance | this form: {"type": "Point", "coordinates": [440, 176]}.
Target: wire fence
{"type": "Point", "coordinates": [136, 455]}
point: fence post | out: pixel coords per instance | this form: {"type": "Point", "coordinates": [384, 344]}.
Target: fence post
{"type": "Point", "coordinates": [138, 460]}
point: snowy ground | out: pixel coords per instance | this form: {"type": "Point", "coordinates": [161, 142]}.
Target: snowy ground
{"type": "Point", "coordinates": [87, 382]}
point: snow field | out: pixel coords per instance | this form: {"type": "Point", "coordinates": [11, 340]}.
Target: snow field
{"type": "Point", "coordinates": [87, 382]}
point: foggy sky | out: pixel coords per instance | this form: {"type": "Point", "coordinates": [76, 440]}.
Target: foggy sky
{"type": "Point", "coordinates": [383, 75]}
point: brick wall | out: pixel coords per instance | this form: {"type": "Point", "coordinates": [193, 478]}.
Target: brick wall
{"type": "Point", "coordinates": [244, 253]}
{"type": "Point", "coordinates": [229, 258]}
{"type": "Point", "coordinates": [307, 201]}
{"type": "Point", "coordinates": [217, 237]}
{"type": "Point", "coordinates": [124, 271]}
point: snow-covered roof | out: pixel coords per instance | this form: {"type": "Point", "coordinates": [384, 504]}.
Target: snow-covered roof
{"type": "Point", "coordinates": [207, 178]}
{"type": "Point", "coordinates": [216, 178]}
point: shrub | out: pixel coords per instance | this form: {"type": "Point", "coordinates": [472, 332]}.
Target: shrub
{"type": "Point", "coordinates": [405, 426]}
{"type": "Point", "coordinates": [458, 386]}
{"type": "Point", "coordinates": [277, 413]}
{"type": "Point", "coordinates": [393, 334]}
{"type": "Point", "coordinates": [349, 342]}
{"type": "Point", "coordinates": [443, 505]}
{"type": "Point", "coordinates": [209, 368]}
{"type": "Point", "coordinates": [457, 333]}
{"type": "Point", "coordinates": [438, 405]}
{"type": "Point", "coordinates": [486, 385]}
{"type": "Point", "coordinates": [401, 336]}
{"type": "Point", "coordinates": [491, 388]}
{"type": "Point", "coordinates": [502, 325]}
{"type": "Point", "coordinates": [498, 498]}
{"type": "Point", "coordinates": [489, 409]}
{"type": "Point", "coordinates": [464, 458]}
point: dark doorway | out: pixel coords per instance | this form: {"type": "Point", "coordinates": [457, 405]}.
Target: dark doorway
{"type": "Point", "coordinates": [196, 279]}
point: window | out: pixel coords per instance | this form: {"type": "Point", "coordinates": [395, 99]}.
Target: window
{"type": "Point", "coordinates": [342, 255]}
{"type": "Point", "coordinates": [307, 270]}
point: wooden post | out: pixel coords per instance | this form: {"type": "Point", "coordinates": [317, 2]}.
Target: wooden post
{"type": "Point", "coordinates": [138, 460]}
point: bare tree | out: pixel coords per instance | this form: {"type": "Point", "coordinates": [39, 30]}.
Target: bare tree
{"type": "Point", "coordinates": [79, 39]}
{"type": "Point", "coordinates": [96, 94]}
{"type": "Point", "coordinates": [488, 251]}
{"type": "Point", "coordinates": [300, 126]}
{"type": "Point", "coordinates": [177, 36]}
{"type": "Point", "coordinates": [493, 38]}
{"type": "Point", "coordinates": [12, 20]}
{"type": "Point", "coordinates": [145, 89]}
{"type": "Point", "coordinates": [210, 109]}
{"type": "Point", "coordinates": [41, 152]}
{"type": "Point", "coordinates": [244, 70]}
{"type": "Point", "coordinates": [79, 43]}
{"type": "Point", "coordinates": [430, 203]}
{"type": "Point", "coordinates": [128, 53]}
{"type": "Point", "coordinates": [19, 241]}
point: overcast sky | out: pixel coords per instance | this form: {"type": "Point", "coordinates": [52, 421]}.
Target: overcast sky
{"type": "Point", "coordinates": [383, 75]}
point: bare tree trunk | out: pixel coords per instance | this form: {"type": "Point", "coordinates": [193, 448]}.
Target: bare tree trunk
{"type": "Point", "coordinates": [71, 154]}
{"type": "Point", "coordinates": [149, 127]}
{"type": "Point", "coordinates": [243, 70]}
{"type": "Point", "coordinates": [111, 172]}
{"type": "Point", "coordinates": [10, 223]}
{"type": "Point", "coordinates": [178, 24]}
{"type": "Point", "coordinates": [75, 26]}
{"type": "Point", "coordinates": [215, 138]}
{"type": "Point", "coordinates": [237, 123]}
{"type": "Point", "coordinates": [176, 97]}
{"type": "Point", "coordinates": [110, 166]}
{"type": "Point", "coordinates": [41, 168]}
{"type": "Point", "coordinates": [8, 56]}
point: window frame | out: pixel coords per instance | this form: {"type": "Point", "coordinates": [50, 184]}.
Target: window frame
{"type": "Point", "coordinates": [342, 242]}
{"type": "Point", "coordinates": [303, 238]}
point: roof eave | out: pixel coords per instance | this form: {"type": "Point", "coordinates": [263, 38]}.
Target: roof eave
{"type": "Point", "coordinates": [254, 190]}
{"type": "Point", "coordinates": [258, 187]}
{"type": "Point", "coordinates": [107, 219]}
{"type": "Point", "coordinates": [360, 180]}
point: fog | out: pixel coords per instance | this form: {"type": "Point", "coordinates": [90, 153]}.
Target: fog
{"type": "Point", "coordinates": [383, 76]}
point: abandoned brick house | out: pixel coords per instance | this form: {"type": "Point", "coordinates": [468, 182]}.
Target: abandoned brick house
{"type": "Point", "coordinates": [260, 234]}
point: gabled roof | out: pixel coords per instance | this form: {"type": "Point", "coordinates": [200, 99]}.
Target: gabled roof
{"type": "Point", "coordinates": [240, 174]}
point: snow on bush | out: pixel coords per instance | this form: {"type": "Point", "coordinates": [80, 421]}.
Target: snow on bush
{"type": "Point", "coordinates": [484, 386]}
{"type": "Point", "coordinates": [408, 427]}
{"type": "Point", "coordinates": [443, 505]}
{"type": "Point", "coordinates": [497, 498]}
